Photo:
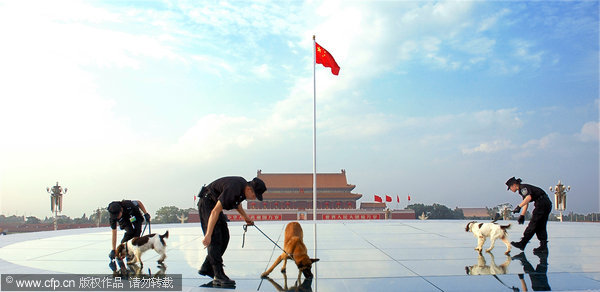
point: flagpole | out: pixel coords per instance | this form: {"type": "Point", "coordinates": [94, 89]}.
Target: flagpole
{"type": "Point", "coordinates": [315, 141]}
{"type": "Point", "coordinates": [315, 152]}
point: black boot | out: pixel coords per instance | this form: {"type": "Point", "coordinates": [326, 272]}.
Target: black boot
{"type": "Point", "coordinates": [520, 245]}
{"type": "Point", "coordinates": [543, 248]}
{"type": "Point", "coordinates": [220, 278]}
{"type": "Point", "coordinates": [206, 270]}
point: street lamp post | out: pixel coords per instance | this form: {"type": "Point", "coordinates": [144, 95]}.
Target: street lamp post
{"type": "Point", "coordinates": [56, 194]}
{"type": "Point", "coordinates": [182, 218]}
{"type": "Point", "coordinates": [98, 217]}
{"type": "Point", "coordinates": [560, 197]}
{"type": "Point", "coordinates": [505, 211]}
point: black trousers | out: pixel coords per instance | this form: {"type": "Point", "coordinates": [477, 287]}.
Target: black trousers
{"type": "Point", "coordinates": [132, 230]}
{"type": "Point", "coordinates": [220, 235]}
{"type": "Point", "coordinates": [539, 220]}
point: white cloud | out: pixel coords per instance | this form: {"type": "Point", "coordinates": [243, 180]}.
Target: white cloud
{"type": "Point", "coordinates": [508, 119]}
{"type": "Point", "coordinates": [504, 67]}
{"type": "Point", "coordinates": [491, 21]}
{"type": "Point", "coordinates": [590, 131]}
{"type": "Point", "coordinates": [214, 65]}
{"type": "Point", "coordinates": [407, 49]}
{"type": "Point", "coordinates": [525, 148]}
{"type": "Point", "coordinates": [432, 140]}
{"type": "Point", "coordinates": [541, 143]}
{"type": "Point", "coordinates": [350, 127]}
{"type": "Point", "coordinates": [49, 93]}
{"type": "Point", "coordinates": [262, 71]}
{"type": "Point", "coordinates": [523, 51]}
{"type": "Point", "coordinates": [479, 46]}
{"type": "Point", "coordinates": [212, 136]}
{"type": "Point", "coordinates": [490, 147]}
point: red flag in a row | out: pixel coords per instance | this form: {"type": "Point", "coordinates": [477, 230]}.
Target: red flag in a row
{"type": "Point", "coordinates": [387, 199]}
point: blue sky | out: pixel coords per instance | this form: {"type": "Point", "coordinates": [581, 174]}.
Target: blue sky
{"type": "Point", "coordinates": [440, 100]}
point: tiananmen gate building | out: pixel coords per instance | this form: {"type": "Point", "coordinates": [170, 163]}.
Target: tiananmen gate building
{"type": "Point", "coordinates": [295, 191]}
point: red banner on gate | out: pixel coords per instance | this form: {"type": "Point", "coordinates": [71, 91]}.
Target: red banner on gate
{"type": "Point", "coordinates": [266, 217]}
{"type": "Point", "coordinates": [351, 216]}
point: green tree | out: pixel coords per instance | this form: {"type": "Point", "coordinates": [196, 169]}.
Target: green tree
{"type": "Point", "coordinates": [12, 219]}
{"type": "Point", "coordinates": [441, 212]}
{"type": "Point", "coordinates": [186, 212]}
{"type": "Point", "coordinates": [64, 219]}
{"type": "Point", "coordinates": [419, 209]}
{"type": "Point", "coordinates": [82, 220]}
{"type": "Point", "coordinates": [99, 216]}
{"type": "Point", "coordinates": [33, 220]}
{"type": "Point", "coordinates": [436, 211]}
{"type": "Point", "coordinates": [458, 213]}
{"type": "Point", "coordinates": [167, 214]}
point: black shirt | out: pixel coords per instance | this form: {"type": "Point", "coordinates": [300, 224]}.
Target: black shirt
{"type": "Point", "coordinates": [130, 209]}
{"type": "Point", "coordinates": [533, 191]}
{"type": "Point", "coordinates": [229, 190]}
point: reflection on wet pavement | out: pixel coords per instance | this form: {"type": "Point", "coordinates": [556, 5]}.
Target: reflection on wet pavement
{"type": "Point", "coordinates": [482, 268]}
{"type": "Point", "coordinates": [381, 255]}
{"type": "Point", "coordinates": [299, 285]}
{"type": "Point", "coordinates": [538, 276]}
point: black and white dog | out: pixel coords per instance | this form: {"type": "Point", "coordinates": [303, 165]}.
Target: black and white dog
{"type": "Point", "coordinates": [492, 230]}
{"type": "Point", "coordinates": [135, 247]}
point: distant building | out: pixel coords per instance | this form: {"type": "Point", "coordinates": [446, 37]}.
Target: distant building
{"type": "Point", "coordinates": [372, 206]}
{"type": "Point", "coordinates": [475, 213]}
{"type": "Point", "coordinates": [295, 191]}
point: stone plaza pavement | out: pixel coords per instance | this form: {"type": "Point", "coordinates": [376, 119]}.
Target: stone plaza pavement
{"type": "Point", "coordinates": [380, 255]}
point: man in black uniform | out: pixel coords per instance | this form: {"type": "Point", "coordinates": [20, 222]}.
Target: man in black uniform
{"type": "Point", "coordinates": [539, 216]}
{"type": "Point", "coordinates": [226, 193]}
{"type": "Point", "coordinates": [129, 216]}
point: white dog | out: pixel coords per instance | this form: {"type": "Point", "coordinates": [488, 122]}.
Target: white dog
{"type": "Point", "coordinates": [135, 247]}
{"type": "Point", "coordinates": [492, 230]}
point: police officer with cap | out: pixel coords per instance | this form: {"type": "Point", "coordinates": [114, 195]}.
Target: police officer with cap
{"type": "Point", "coordinates": [129, 216]}
{"type": "Point", "coordinates": [539, 216]}
{"type": "Point", "coordinates": [225, 193]}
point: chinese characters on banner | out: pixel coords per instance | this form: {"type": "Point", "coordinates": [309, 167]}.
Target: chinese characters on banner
{"type": "Point", "coordinates": [269, 217]}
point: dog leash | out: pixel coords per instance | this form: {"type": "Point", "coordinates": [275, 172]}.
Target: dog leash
{"type": "Point", "coordinates": [149, 228]}
{"type": "Point", "coordinates": [244, 239]}
{"type": "Point", "coordinates": [144, 230]}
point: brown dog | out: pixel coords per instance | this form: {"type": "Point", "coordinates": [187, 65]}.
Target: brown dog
{"type": "Point", "coordinates": [293, 245]}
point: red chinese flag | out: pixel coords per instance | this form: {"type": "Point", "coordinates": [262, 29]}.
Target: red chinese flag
{"type": "Point", "coordinates": [388, 198]}
{"type": "Point", "coordinates": [326, 59]}
{"type": "Point", "coordinates": [378, 199]}
{"type": "Point", "coordinates": [409, 197]}
{"type": "Point", "coordinates": [398, 198]}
